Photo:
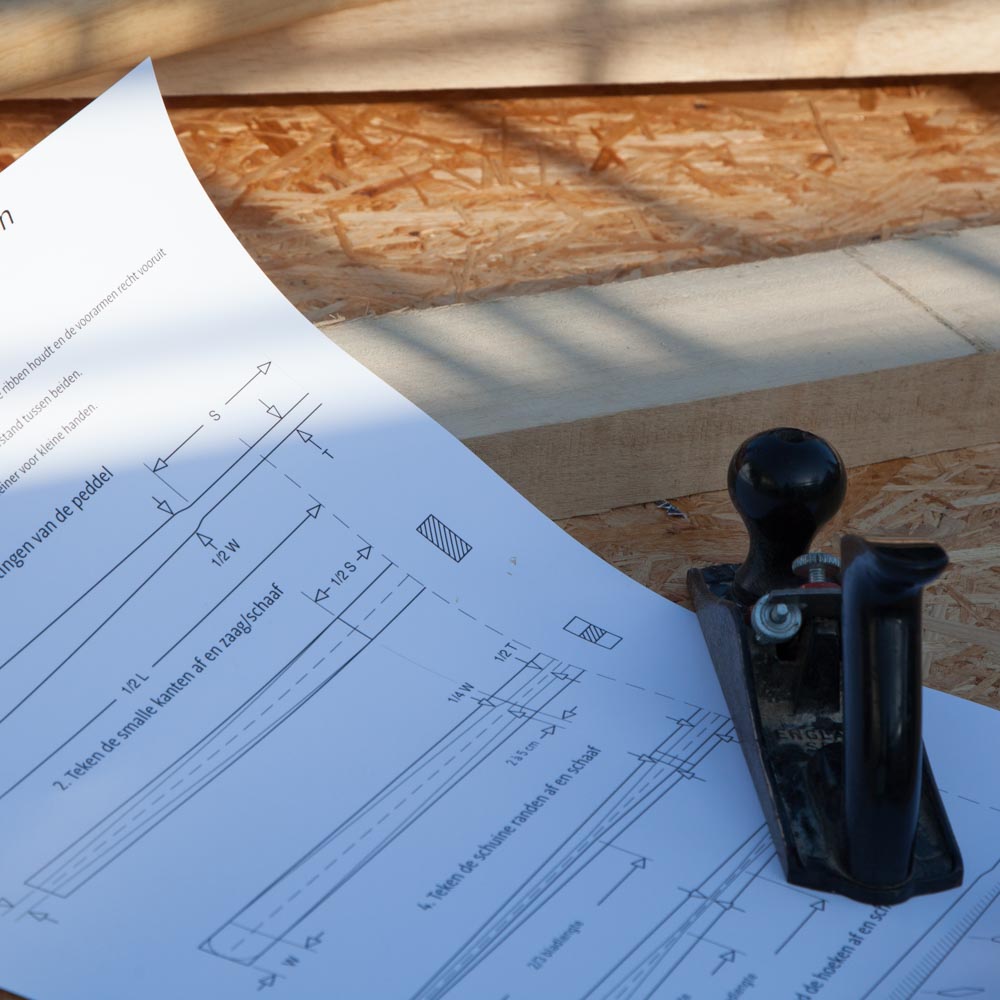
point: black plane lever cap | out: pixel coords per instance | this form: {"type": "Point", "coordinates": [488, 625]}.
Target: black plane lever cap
{"type": "Point", "coordinates": [786, 484]}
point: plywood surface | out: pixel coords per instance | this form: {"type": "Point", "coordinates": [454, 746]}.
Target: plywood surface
{"type": "Point", "coordinates": [356, 206]}
{"type": "Point", "coordinates": [408, 44]}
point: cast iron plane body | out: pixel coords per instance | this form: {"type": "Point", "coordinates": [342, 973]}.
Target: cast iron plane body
{"type": "Point", "coordinates": [822, 676]}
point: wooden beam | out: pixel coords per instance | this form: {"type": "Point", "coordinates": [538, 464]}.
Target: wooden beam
{"type": "Point", "coordinates": [672, 451]}
{"type": "Point", "coordinates": [447, 44]}
{"type": "Point", "coordinates": [597, 397]}
{"type": "Point", "coordinates": [44, 43]}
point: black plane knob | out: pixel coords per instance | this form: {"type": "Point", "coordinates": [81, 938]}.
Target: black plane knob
{"type": "Point", "coordinates": [786, 484]}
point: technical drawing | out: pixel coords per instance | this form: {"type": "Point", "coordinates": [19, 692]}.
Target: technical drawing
{"type": "Point", "coordinates": [262, 369]}
{"type": "Point", "coordinates": [442, 537]}
{"type": "Point", "coordinates": [163, 462]}
{"type": "Point", "coordinates": [673, 761]}
{"type": "Point", "coordinates": [583, 629]}
{"type": "Point", "coordinates": [314, 878]}
{"type": "Point", "coordinates": [34, 906]}
{"type": "Point", "coordinates": [197, 510]}
{"type": "Point", "coordinates": [966, 937]}
{"type": "Point", "coordinates": [636, 865]}
{"type": "Point", "coordinates": [538, 693]}
{"type": "Point", "coordinates": [681, 930]}
{"type": "Point", "coordinates": [344, 637]}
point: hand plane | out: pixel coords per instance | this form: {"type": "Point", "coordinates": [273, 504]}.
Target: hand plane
{"type": "Point", "coordinates": [819, 661]}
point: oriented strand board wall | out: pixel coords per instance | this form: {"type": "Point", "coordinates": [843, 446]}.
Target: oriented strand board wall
{"type": "Point", "coordinates": [356, 207]}
{"type": "Point", "coordinates": [439, 44]}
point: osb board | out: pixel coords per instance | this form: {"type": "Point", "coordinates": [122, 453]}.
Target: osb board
{"type": "Point", "coordinates": [354, 206]}
{"type": "Point", "coordinates": [433, 44]}
{"type": "Point", "coordinates": [952, 498]}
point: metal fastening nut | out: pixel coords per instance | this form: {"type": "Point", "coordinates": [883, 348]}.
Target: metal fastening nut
{"type": "Point", "coordinates": [775, 622]}
{"type": "Point", "coordinates": [817, 567]}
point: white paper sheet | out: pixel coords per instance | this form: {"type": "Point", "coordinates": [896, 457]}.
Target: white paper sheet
{"type": "Point", "coordinates": [296, 696]}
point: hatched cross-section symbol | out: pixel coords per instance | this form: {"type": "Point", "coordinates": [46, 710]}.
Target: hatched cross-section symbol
{"type": "Point", "coordinates": [592, 633]}
{"type": "Point", "coordinates": [442, 537]}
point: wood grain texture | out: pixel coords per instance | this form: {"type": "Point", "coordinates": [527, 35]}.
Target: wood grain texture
{"type": "Point", "coordinates": [435, 44]}
{"type": "Point", "coordinates": [654, 382]}
{"type": "Point", "coordinates": [558, 357]}
{"type": "Point", "coordinates": [604, 462]}
{"type": "Point", "coordinates": [46, 42]}
{"type": "Point", "coordinates": [356, 207]}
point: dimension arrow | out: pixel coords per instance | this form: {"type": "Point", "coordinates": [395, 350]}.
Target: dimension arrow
{"type": "Point", "coordinates": [314, 511]}
{"type": "Point", "coordinates": [270, 409]}
{"type": "Point", "coordinates": [549, 731]}
{"type": "Point", "coordinates": [636, 866]}
{"type": "Point", "coordinates": [321, 595]}
{"type": "Point", "coordinates": [365, 552]}
{"type": "Point", "coordinates": [314, 941]}
{"type": "Point", "coordinates": [204, 539]}
{"type": "Point", "coordinates": [306, 438]}
{"type": "Point", "coordinates": [261, 370]}
{"type": "Point", "coordinates": [725, 957]}
{"type": "Point", "coordinates": [161, 463]}
{"type": "Point", "coordinates": [959, 992]}
{"type": "Point", "coordinates": [164, 506]}
{"type": "Point", "coordinates": [817, 907]}
{"type": "Point", "coordinates": [228, 594]}
{"type": "Point", "coordinates": [569, 713]}
{"type": "Point", "coordinates": [564, 675]}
